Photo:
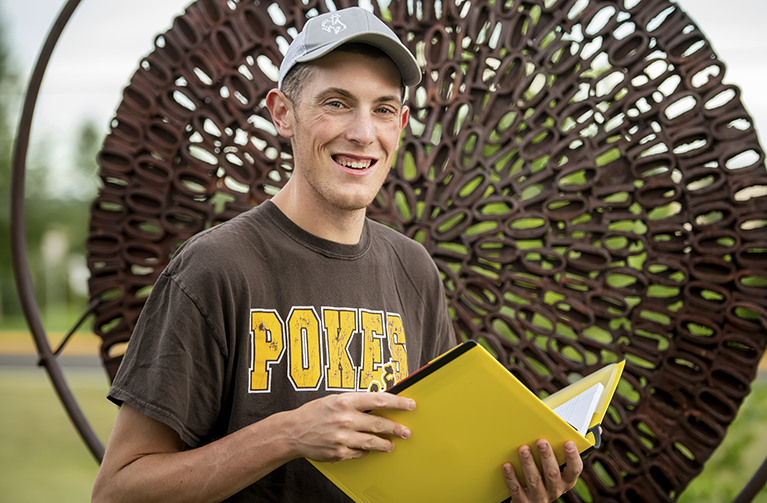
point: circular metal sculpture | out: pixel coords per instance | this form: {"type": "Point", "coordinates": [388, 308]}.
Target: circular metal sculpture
{"type": "Point", "coordinates": [587, 185]}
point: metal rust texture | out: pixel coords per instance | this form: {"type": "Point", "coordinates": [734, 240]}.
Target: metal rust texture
{"type": "Point", "coordinates": [586, 182]}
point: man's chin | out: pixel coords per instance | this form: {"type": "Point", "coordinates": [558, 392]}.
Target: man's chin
{"type": "Point", "coordinates": [353, 202]}
{"type": "Point", "coordinates": [353, 206]}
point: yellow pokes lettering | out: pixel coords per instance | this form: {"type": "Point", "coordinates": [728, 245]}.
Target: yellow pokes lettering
{"type": "Point", "coordinates": [268, 346]}
{"type": "Point", "coordinates": [397, 348]}
{"type": "Point", "coordinates": [372, 350]}
{"type": "Point", "coordinates": [340, 326]}
{"type": "Point", "coordinates": [305, 349]}
{"type": "Point", "coordinates": [303, 339]}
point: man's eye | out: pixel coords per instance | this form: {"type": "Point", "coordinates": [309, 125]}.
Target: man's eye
{"type": "Point", "coordinates": [384, 110]}
{"type": "Point", "coordinates": [335, 104]}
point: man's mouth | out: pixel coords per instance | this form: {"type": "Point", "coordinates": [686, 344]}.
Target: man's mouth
{"type": "Point", "coordinates": [348, 162]}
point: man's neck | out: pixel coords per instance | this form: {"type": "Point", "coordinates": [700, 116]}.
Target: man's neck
{"type": "Point", "coordinates": [318, 217]}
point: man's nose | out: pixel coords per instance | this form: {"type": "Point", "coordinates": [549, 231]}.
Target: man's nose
{"type": "Point", "coordinates": [361, 129]}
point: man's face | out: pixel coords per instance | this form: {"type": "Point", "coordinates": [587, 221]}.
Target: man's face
{"type": "Point", "coordinates": [346, 129]}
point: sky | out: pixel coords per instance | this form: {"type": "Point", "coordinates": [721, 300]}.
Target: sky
{"type": "Point", "coordinates": [105, 40]}
{"type": "Point", "coordinates": [93, 61]}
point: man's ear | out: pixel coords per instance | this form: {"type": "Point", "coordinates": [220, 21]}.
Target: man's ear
{"type": "Point", "coordinates": [403, 117]}
{"type": "Point", "coordinates": [282, 112]}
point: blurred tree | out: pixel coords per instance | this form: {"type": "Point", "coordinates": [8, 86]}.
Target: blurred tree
{"type": "Point", "coordinates": [8, 89]}
{"type": "Point", "coordinates": [51, 214]}
{"type": "Point", "coordinates": [86, 167]}
{"type": "Point", "coordinates": [48, 211]}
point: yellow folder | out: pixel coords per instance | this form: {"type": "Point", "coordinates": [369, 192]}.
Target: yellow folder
{"type": "Point", "coordinates": [471, 417]}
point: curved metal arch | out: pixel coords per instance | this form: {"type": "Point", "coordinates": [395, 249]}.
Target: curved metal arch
{"type": "Point", "coordinates": [47, 357]}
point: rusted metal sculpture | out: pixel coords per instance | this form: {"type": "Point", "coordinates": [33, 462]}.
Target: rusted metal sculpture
{"type": "Point", "coordinates": [589, 187]}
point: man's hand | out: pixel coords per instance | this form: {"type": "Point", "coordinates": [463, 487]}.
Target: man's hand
{"type": "Point", "coordinates": [146, 460]}
{"type": "Point", "coordinates": [336, 427]}
{"type": "Point", "coordinates": [553, 484]}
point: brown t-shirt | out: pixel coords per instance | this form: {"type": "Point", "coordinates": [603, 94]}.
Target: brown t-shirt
{"type": "Point", "coordinates": [256, 316]}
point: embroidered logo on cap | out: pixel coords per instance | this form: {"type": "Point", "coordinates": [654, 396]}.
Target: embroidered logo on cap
{"type": "Point", "coordinates": [333, 24]}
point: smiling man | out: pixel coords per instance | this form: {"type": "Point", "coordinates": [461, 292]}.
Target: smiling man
{"type": "Point", "coordinates": [262, 339]}
{"type": "Point", "coordinates": [344, 129]}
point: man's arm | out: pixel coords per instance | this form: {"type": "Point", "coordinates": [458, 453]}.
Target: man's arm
{"type": "Point", "coordinates": [145, 459]}
{"type": "Point", "coordinates": [553, 483]}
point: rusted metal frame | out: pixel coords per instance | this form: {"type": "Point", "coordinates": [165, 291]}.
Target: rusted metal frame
{"type": "Point", "coordinates": [88, 311]}
{"type": "Point", "coordinates": [19, 244]}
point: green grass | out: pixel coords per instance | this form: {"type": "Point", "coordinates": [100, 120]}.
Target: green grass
{"type": "Point", "coordinates": [42, 458]}
{"type": "Point", "coordinates": [60, 318]}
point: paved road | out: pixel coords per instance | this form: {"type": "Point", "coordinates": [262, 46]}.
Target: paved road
{"type": "Point", "coordinates": [67, 361]}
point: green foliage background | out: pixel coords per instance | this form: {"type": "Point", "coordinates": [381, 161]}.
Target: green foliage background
{"type": "Point", "coordinates": [46, 207]}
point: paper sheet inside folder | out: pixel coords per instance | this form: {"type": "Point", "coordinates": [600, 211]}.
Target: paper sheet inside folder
{"type": "Point", "coordinates": [579, 410]}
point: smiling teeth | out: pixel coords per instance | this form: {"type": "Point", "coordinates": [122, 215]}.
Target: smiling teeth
{"type": "Point", "coordinates": [355, 164]}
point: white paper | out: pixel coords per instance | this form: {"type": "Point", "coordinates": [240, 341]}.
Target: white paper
{"type": "Point", "coordinates": [579, 410]}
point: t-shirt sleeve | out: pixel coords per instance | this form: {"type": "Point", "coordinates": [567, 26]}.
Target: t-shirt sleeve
{"type": "Point", "coordinates": [173, 369]}
{"type": "Point", "coordinates": [448, 338]}
{"type": "Point", "coordinates": [439, 335]}
{"type": "Point", "coordinates": [445, 333]}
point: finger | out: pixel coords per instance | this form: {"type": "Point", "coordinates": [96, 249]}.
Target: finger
{"type": "Point", "coordinates": [366, 442]}
{"type": "Point", "coordinates": [516, 491]}
{"type": "Point", "coordinates": [373, 401]}
{"type": "Point", "coordinates": [348, 453]}
{"type": "Point", "coordinates": [553, 482]}
{"type": "Point", "coordinates": [374, 423]}
{"type": "Point", "coordinates": [349, 443]}
{"type": "Point", "coordinates": [374, 433]}
{"type": "Point", "coordinates": [574, 465]}
{"type": "Point", "coordinates": [382, 426]}
{"type": "Point", "coordinates": [535, 487]}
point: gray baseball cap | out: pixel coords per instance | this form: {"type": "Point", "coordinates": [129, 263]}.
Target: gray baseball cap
{"type": "Point", "coordinates": [326, 32]}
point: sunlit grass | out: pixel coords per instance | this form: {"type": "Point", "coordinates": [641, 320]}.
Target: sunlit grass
{"type": "Point", "coordinates": [42, 458]}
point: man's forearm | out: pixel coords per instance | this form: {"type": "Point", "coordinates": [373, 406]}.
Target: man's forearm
{"type": "Point", "coordinates": [145, 460]}
{"type": "Point", "coordinates": [132, 472]}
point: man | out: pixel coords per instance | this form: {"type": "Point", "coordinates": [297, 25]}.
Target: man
{"type": "Point", "coordinates": [232, 377]}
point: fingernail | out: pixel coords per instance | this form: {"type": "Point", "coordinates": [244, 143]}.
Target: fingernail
{"type": "Point", "coordinates": [406, 433]}
{"type": "Point", "coordinates": [411, 405]}
{"type": "Point", "coordinates": [507, 469]}
{"type": "Point", "coordinates": [570, 446]}
{"type": "Point", "coordinates": [541, 447]}
{"type": "Point", "coordinates": [525, 453]}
